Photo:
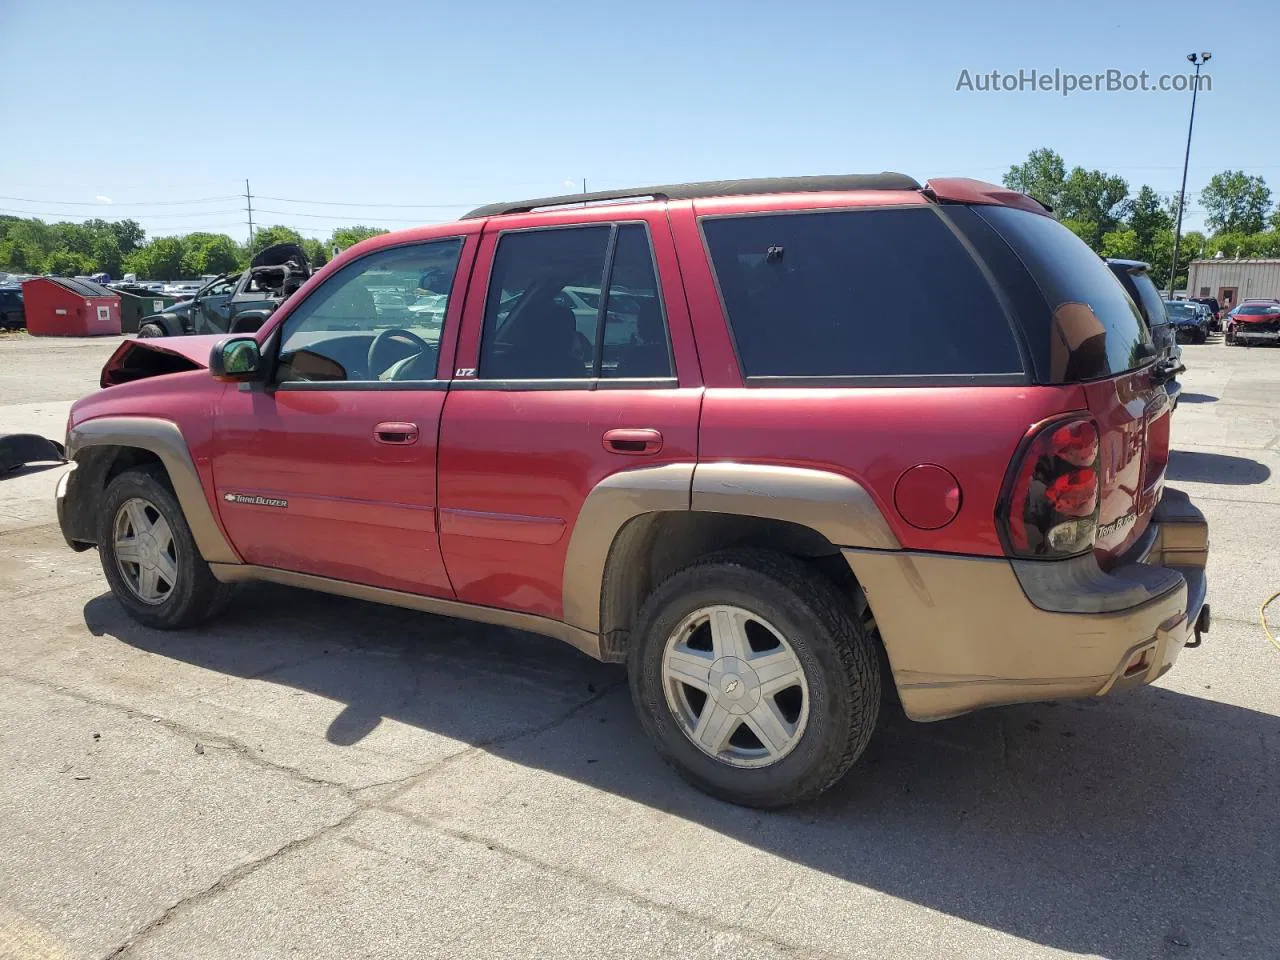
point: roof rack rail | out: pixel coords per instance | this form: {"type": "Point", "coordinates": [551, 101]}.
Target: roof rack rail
{"type": "Point", "coordinates": [709, 188]}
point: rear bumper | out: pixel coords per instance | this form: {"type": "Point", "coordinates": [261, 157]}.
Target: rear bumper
{"type": "Point", "coordinates": [968, 632]}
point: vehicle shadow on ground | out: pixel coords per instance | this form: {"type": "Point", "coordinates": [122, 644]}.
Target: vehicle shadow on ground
{"type": "Point", "coordinates": [1200, 467]}
{"type": "Point", "coordinates": [1185, 397]}
{"type": "Point", "coordinates": [1142, 826]}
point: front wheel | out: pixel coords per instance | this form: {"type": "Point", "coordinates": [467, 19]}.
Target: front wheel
{"type": "Point", "coordinates": [149, 330]}
{"type": "Point", "coordinates": [149, 556]}
{"type": "Point", "coordinates": [754, 678]}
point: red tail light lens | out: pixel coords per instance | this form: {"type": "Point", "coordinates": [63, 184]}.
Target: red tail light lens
{"type": "Point", "coordinates": [1050, 508]}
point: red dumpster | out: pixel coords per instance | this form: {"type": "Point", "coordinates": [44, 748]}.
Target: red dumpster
{"type": "Point", "coordinates": [63, 307]}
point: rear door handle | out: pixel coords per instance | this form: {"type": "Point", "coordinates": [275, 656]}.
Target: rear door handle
{"type": "Point", "coordinates": [636, 443]}
{"type": "Point", "coordinates": [393, 431]}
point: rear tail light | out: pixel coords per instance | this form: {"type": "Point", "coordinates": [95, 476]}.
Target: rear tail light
{"type": "Point", "coordinates": [1050, 507]}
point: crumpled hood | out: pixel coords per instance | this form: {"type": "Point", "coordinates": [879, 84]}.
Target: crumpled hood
{"type": "Point", "coordinates": [138, 359]}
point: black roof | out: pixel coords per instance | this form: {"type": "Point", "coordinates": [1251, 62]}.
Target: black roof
{"type": "Point", "coordinates": [86, 288]}
{"type": "Point", "coordinates": [711, 188]}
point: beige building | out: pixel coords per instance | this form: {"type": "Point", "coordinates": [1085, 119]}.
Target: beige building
{"type": "Point", "coordinates": [1230, 281]}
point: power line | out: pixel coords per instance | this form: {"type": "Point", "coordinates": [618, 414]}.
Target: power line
{"type": "Point", "coordinates": [100, 203]}
{"type": "Point", "coordinates": [347, 203]}
{"type": "Point", "coordinates": [135, 216]}
{"type": "Point", "coordinates": [334, 216]}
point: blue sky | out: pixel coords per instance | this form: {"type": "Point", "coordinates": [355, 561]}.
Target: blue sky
{"type": "Point", "coordinates": [447, 105]}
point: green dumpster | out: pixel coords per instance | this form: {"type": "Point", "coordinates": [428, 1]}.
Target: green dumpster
{"type": "Point", "coordinates": [139, 302]}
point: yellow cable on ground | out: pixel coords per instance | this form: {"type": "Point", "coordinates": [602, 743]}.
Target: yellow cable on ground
{"type": "Point", "coordinates": [1262, 612]}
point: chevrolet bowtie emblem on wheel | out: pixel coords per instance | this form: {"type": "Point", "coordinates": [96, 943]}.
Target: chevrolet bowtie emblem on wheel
{"type": "Point", "coordinates": [254, 501]}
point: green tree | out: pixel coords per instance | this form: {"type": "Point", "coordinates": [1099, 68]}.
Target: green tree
{"type": "Point", "coordinates": [18, 255]}
{"type": "Point", "coordinates": [66, 263]}
{"type": "Point", "coordinates": [1043, 176]}
{"type": "Point", "coordinates": [106, 255]}
{"type": "Point", "coordinates": [269, 236]}
{"type": "Point", "coordinates": [316, 252]}
{"type": "Point", "coordinates": [1147, 216]}
{"type": "Point", "coordinates": [1235, 203]}
{"type": "Point", "coordinates": [1123, 244]}
{"type": "Point", "coordinates": [161, 259]}
{"type": "Point", "coordinates": [344, 237]}
{"type": "Point", "coordinates": [210, 253]}
{"type": "Point", "coordinates": [129, 235]}
{"type": "Point", "coordinates": [1091, 196]}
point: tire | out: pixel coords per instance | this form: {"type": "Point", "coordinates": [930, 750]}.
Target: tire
{"type": "Point", "coordinates": [149, 330]}
{"type": "Point", "coordinates": [196, 595]}
{"type": "Point", "coordinates": [829, 717]}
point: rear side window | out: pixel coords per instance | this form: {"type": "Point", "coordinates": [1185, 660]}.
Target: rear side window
{"type": "Point", "coordinates": [867, 293]}
{"type": "Point", "coordinates": [1091, 328]}
{"type": "Point", "coordinates": [1149, 300]}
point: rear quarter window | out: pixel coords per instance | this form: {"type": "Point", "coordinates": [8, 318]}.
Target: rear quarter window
{"type": "Point", "coordinates": [858, 294]}
{"type": "Point", "coordinates": [1093, 328]}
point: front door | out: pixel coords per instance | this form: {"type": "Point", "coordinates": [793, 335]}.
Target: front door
{"type": "Point", "coordinates": [212, 307]}
{"type": "Point", "coordinates": [549, 400]}
{"type": "Point", "coordinates": [331, 470]}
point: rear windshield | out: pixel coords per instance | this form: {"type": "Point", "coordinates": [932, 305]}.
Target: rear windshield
{"type": "Point", "coordinates": [864, 293]}
{"type": "Point", "coordinates": [1094, 329]}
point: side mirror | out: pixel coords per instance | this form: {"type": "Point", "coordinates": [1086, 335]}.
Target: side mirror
{"type": "Point", "coordinates": [237, 358]}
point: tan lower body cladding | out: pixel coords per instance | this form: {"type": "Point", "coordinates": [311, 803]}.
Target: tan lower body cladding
{"type": "Point", "coordinates": [961, 634]}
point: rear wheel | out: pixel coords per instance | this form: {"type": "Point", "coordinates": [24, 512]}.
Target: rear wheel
{"type": "Point", "coordinates": [754, 678]}
{"type": "Point", "coordinates": [149, 556]}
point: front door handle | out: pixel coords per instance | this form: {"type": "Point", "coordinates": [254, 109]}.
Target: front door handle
{"type": "Point", "coordinates": [636, 443]}
{"type": "Point", "coordinates": [395, 432]}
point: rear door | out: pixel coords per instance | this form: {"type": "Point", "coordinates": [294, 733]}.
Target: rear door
{"type": "Point", "coordinates": [550, 398]}
{"type": "Point", "coordinates": [1085, 329]}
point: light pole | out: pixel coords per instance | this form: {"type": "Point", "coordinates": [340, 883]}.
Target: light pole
{"type": "Point", "coordinates": [1198, 61]}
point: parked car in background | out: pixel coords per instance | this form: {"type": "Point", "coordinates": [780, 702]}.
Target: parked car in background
{"type": "Point", "coordinates": [238, 303]}
{"type": "Point", "coordinates": [1189, 320]}
{"type": "Point", "coordinates": [1215, 311]}
{"type": "Point", "coordinates": [759, 496]}
{"type": "Point", "coordinates": [12, 314]}
{"type": "Point", "coordinates": [1135, 277]}
{"type": "Point", "coordinates": [1254, 321]}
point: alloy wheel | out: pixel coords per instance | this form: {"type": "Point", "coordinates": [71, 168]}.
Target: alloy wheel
{"type": "Point", "coordinates": [735, 686]}
{"type": "Point", "coordinates": [146, 554]}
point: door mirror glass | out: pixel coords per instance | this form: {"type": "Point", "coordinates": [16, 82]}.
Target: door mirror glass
{"type": "Point", "coordinates": [236, 359]}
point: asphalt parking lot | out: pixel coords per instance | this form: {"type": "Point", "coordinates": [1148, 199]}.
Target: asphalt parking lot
{"type": "Point", "coordinates": [322, 778]}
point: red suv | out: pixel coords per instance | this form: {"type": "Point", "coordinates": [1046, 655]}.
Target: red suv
{"type": "Point", "coordinates": [676, 428]}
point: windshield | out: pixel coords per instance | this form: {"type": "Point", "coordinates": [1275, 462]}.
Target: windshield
{"type": "Point", "coordinates": [1181, 311]}
{"type": "Point", "coordinates": [1256, 309]}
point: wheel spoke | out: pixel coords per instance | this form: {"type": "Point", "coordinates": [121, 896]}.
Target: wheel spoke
{"type": "Point", "coordinates": [128, 551]}
{"type": "Point", "coordinates": [137, 517]}
{"type": "Point", "coordinates": [690, 667]}
{"type": "Point", "coordinates": [147, 588]}
{"type": "Point", "coordinates": [777, 670]}
{"type": "Point", "coordinates": [729, 633]}
{"type": "Point", "coordinates": [715, 727]}
{"type": "Point", "coordinates": [768, 725]}
{"type": "Point", "coordinates": [167, 569]}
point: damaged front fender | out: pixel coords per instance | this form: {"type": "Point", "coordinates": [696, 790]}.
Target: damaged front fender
{"type": "Point", "coordinates": [19, 449]}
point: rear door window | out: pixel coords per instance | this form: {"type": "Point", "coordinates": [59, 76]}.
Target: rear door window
{"type": "Point", "coordinates": [1091, 329]}
{"type": "Point", "coordinates": [858, 294]}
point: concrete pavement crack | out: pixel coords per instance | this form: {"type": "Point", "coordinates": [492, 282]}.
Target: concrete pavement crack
{"type": "Point", "coordinates": [617, 890]}
{"type": "Point", "coordinates": [227, 879]}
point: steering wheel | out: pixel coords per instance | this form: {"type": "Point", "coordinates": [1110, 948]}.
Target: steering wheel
{"type": "Point", "coordinates": [383, 341]}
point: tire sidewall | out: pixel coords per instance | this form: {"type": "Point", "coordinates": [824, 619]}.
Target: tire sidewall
{"type": "Point", "coordinates": [143, 484]}
{"type": "Point", "coordinates": [827, 731]}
